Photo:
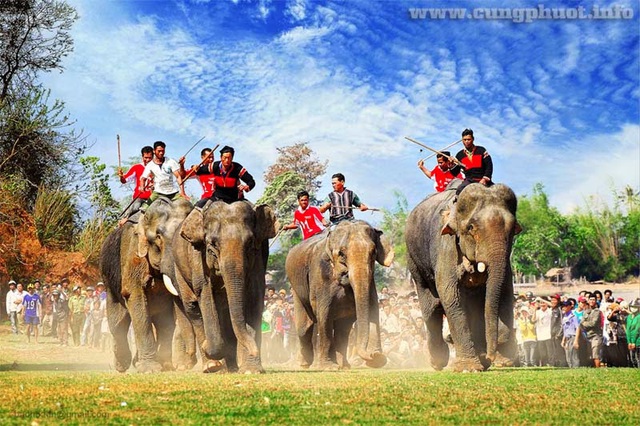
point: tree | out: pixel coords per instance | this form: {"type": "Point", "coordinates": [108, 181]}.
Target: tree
{"type": "Point", "coordinates": [37, 141]}
{"type": "Point", "coordinates": [105, 208]}
{"type": "Point", "coordinates": [35, 37]}
{"type": "Point", "coordinates": [393, 225]}
{"type": "Point", "coordinates": [545, 241]}
{"type": "Point", "coordinates": [301, 160]}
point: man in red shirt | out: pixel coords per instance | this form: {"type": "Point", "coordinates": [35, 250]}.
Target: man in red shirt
{"type": "Point", "coordinates": [441, 173]}
{"type": "Point", "coordinates": [307, 217]}
{"type": "Point", "coordinates": [205, 176]}
{"type": "Point", "coordinates": [136, 171]}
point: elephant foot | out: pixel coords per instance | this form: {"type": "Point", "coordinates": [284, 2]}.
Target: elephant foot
{"type": "Point", "coordinates": [251, 370]}
{"type": "Point", "coordinates": [327, 366]}
{"type": "Point", "coordinates": [468, 365]}
{"type": "Point", "coordinates": [167, 366]}
{"type": "Point", "coordinates": [378, 360]}
{"type": "Point", "coordinates": [502, 361]}
{"type": "Point", "coordinates": [213, 366]}
{"type": "Point", "coordinates": [148, 367]}
{"type": "Point", "coordinates": [121, 367]}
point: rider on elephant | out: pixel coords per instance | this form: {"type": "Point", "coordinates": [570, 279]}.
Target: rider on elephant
{"type": "Point", "coordinates": [308, 218]}
{"type": "Point", "coordinates": [206, 178]}
{"type": "Point", "coordinates": [231, 180]}
{"type": "Point", "coordinates": [139, 195]}
{"type": "Point", "coordinates": [167, 174]}
{"type": "Point", "coordinates": [477, 163]}
{"type": "Point", "coordinates": [441, 174]}
{"type": "Point", "coordinates": [341, 201]}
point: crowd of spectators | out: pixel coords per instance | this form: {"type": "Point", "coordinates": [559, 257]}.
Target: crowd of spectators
{"type": "Point", "coordinates": [560, 331]}
{"type": "Point", "coordinates": [76, 314]}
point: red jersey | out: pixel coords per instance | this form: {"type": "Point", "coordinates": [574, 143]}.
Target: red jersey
{"type": "Point", "coordinates": [208, 183]}
{"type": "Point", "coordinates": [136, 170]}
{"type": "Point", "coordinates": [309, 220]}
{"type": "Point", "coordinates": [442, 178]}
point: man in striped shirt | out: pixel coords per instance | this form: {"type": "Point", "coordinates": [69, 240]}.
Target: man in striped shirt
{"type": "Point", "coordinates": [341, 201]}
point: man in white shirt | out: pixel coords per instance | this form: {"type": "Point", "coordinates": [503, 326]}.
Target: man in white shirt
{"type": "Point", "coordinates": [12, 306]}
{"type": "Point", "coordinates": [167, 175]}
{"type": "Point", "coordinates": [542, 319]}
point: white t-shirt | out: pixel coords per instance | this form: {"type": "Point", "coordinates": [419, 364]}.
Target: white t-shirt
{"type": "Point", "coordinates": [164, 181]}
{"type": "Point", "coordinates": [543, 324]}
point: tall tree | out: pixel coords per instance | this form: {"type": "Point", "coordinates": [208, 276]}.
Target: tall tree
{"type": "Point", "coordinates": [35, 37]}
{"type": "Point", "coordinates": [301, 160]}
{"type": "Point", "coordinates": [393, 225]}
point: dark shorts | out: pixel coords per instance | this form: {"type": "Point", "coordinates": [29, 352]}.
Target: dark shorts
{"type": "Point", "coordinates": [33, 320]}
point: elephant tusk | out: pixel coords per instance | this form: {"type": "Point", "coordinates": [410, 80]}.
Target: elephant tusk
{"type": "Point", "coordinates": [169, 285]}
{"type": "Point", "coordinates": [481, 267]}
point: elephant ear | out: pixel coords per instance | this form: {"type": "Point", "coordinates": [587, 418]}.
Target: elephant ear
{"type": "Point", "coordinates": [266, 223]}
{"type": "Point", "coordinates": [192, 228]}
{"type": "Point", "coordinates": [384, 250]}
{"type": "Point", "coordinates": [143, 243]}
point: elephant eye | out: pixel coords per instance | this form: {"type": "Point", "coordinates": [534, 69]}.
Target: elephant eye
{"type": "Point", "coordinates": [470, 227]}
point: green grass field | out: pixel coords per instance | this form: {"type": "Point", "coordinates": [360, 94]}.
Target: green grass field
{"type": "Point", "coordinates": [41, 385]}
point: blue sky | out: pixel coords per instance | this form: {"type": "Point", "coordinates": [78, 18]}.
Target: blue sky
{"type": "Point", "coordinates": [553, 101]}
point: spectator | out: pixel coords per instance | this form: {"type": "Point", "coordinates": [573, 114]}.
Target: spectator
{"type": "Point", "coordinates": [47, 312]}
{"type": "Point", "coordinates": [542, 319]}
{"type": "Point", "coordinates": [633, 333]}
{"type": "Point", "coordinates": [527, 329]}
{"type": "Point", "coordinates": [76, 314]}
{"type": "Point", "coordinates": [570, 338]}
{"type": "Point", "coordinates": [12, 306]}
{"type": "Point", "coordinates": [96, 324]}
{"type": "Point", "coordinates": [614, 351]}
{"type": "Point", "coordinates": [31, 311]}
{"type": "Point", "coordinates": [88, 307]}
{"type": "Point", "coordinates": [61, 313]}
{"type": "Point", "coordinates": [591, 324]}
{"type": "Point", "coordinates": [559, 358]}
{"type": "Point", "coordinates": [19, 297]}
{"type": "Point", "coordinates": [389, 321]}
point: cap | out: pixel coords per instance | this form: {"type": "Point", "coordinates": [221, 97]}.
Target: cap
{"type": "Point", "coordinates": [54, 292]}
{"type": "Point", "coordinates": [619, 299]}
{"type": "Point", "coordinates": [12, 282]}
{"type": "Point", "coordinates": [100, 284]}
{"type": "Point", "coordinates": [582, 299]}
{"type": "Point", "coordinates": [90, 288]}
{"type": "Point", "coordinates": [566, 303]}
{"type": "Point", "coordinates": [64, 280]}
{"type": "Point", "coordinates": [76, 287]}
{"type": "Point", "coordinates": [30, 286]}
{"type": "Point", "coordinates": [36, 281]}
{"type": "Point", "coordinates": [556, 296]}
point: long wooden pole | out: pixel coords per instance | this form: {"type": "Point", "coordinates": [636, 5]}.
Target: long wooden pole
{"type": "Point", "coordinates": [446, 147]}
{"type": "Point", "coordinates": [119, 157]}
{"type": "Point", "coordinates": [454, 159]}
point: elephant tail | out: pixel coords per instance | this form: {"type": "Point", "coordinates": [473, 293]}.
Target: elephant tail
{"type": "Point", "coordinates": [110, 264]}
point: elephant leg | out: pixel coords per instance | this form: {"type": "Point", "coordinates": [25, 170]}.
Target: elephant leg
{"type": "Point", "coordinates": [119, 320]}
{"type": "Point", "coordinates": [184, 341]}
{"type": "Point", "coordinates": [146, 345]}
{"type": "Point", "coordinates": [161, 307]}
{"type": "Point", "coordinates": [507, 346]}
{"type": "Point", "coordinates": [474, 300]}
{"type": "Point", "coordinates": [304, 329]}
{"type": "Point", "coordinates": [342, 329]}
{"type": "Point", "coordinates": [228, 337]}
{"type": "Point", "coordinates": [432, 313]}
{"type": "Point", "coordinates": [325, 339]}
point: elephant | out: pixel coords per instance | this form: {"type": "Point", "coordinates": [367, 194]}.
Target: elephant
{"type": "Point", "coordinates": [331, 275]}
{"type": "Point", "coordinates": [460, 263]}
{"type": "Point", "coordinates": [220, 259]}
{"type": "Point", "coordinates": [131, 260]}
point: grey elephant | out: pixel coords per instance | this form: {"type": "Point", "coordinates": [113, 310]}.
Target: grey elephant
{"type": "Point", "coordinates": [130, 263]}
{"type": "Point", "coordinates": [460, 264]}
{"type": "Point", "coordinates": [331, 276]}
{"type": "Point", "coordinates": [220, 255]}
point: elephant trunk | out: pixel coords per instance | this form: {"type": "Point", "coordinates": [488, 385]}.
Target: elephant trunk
{"type": "Point", "coordinates": [233, 274]}
{"type": "Point", "coordinates": [497, 269]}
{"type": "Point", "coordinates": [214, 346]}
{"type": "Point", "coordinates": [361, 279]}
